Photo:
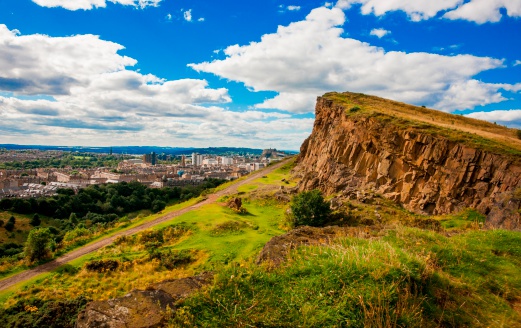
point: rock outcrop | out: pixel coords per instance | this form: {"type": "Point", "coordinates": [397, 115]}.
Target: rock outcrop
{"type": "Point", "coordinates": [141, 308]}
{"type": "Point", "coordinates": [424, 171]}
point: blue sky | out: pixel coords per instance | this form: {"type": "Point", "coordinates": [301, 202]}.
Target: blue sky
{"type": "Point", "coordinates": [243, 73]}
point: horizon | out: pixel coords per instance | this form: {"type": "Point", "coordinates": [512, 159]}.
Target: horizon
{"type": "Point", "coordinates": [97, 73]}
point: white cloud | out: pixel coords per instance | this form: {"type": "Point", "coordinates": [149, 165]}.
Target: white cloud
{"type": "Point", "coordinates": [510, 117]}
{"type": "Point", "coordinates": [92, 97]}
{"type": "Point", "coordinates": [518, 62]}
{"type": "Point", "coordinates": [379, 32]}
{"type": "Point", "coordinates": [200, 19]}
{"type": "Point", "coordinates": [90, 4]}
{"type": "Point", "coordinates": [483, 11]}
{"type": "Point", "coordinates": [188, 15]}
{"type": "Point", "coordinates": [293, 8]}
{"type": "Point", "coordinates": [168, 17]}
{"type": "Point", "coordinates": [479, 11]}
{"type": "Point", "coordinates": [308, 58]}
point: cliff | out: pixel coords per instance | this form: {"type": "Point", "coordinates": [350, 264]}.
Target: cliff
{"type": "Point", "coordinates": [428, 161]}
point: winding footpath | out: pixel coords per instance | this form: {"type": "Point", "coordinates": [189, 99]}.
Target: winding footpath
{"type": "Point", "coordinates": [89, 248]}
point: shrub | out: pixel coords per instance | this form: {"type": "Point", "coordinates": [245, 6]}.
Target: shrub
{"type": "Point", "coordinates": [9, 226]}
{"type": "Point", "coordinates": [310, 208]}
{"type": "Point", "coordinates": [35, 221]}
{"type": "Point", "coordinates": [39, 244]}
{"type": "Point", "coordinates": [170, 259]}
{"type": "Point", "coordinates": [12, 219]}
{"type": "Point", "coordinates": [354, 109]}
{"type": "Point", "coordinates": [102, 265]}
{"type": "Point", "coordinates": [518, 133]}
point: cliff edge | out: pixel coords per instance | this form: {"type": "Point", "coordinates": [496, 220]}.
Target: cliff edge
{"type": "Point", "coordinates": [428, 161]}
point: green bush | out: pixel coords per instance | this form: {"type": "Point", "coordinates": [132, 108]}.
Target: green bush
{"type": "Point", "coordinates": [9, 226]}
{"type": "Point", "coordinates": [310, 208]}
{"type": "Point", "coordinates": [35, 221]}
{"type": "Point", "coordinates": [39, 244]}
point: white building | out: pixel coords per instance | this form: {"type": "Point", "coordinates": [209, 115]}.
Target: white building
{"type": "Point", "coordinates": [226, 160]}
{"type": "Point", "coordinates": [197, 159]}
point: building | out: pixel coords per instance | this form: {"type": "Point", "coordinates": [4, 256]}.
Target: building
{"type": "Point", "coordinates": [226, 161]}
{"type": "Point", "coordinates": [197, 159]}
{"type": "Point", "coordinates": [183, 161]}
{"type": "Point", "coordinates": [150, 158]}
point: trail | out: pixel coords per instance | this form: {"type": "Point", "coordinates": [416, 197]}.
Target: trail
{"type": "Point", "coordinates": [52, 265]}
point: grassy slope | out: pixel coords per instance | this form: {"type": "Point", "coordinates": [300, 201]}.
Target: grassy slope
{"type": "Point", "coordinates": [406, 278]}
{"type": "Point", "coordinates": [217, 236]}
{"type": "Point", "coordinates": [389, 276]}
{"type": "Point", "coordinates": [476, 133]}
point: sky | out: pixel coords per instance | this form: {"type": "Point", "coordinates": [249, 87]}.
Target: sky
{"type": "Point", "coordinates": [233, 73]}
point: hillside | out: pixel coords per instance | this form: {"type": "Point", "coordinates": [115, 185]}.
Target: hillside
{"type": "Point", "coordinates": [428, 161]}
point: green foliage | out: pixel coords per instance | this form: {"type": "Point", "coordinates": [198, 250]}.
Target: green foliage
{"type": "Point", "coordinates": [38, 245]}
{"type": "Point", "coordinates": [310, 208]}
{"type": "Point", "coordinates": [169, 258]}
{"type": "Point", "coordinates": [354, 109]}
{"type": "Point", "coordinates": [158, 206]}
{"type": "Point", "coordinates": [9, 226]}
{"type": "Point", "coordinates": [10, 249]}
{"type": "Point", "coordinates": [43, 313]}
{"type": "Point", "coordinates": [35, 221]}
{"type": "Point", "coordinates": [12, 219]}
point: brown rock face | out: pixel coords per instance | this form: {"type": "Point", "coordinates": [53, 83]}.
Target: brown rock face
{"type": "Point", "coordinates": [141, 308]}
{"type": "Point", "coordinates": [425, 172]}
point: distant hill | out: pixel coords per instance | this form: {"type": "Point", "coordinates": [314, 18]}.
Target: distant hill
{"type": "Point", "coordinates": [138, 150]}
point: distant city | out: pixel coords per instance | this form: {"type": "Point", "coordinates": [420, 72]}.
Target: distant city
{"type": "Point", "coordinates": [36, 171]}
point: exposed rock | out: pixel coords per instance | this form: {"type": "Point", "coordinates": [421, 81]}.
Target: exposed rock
{"type": "Point", "coordinates": [235, 204]}
{"type": "Point", "coordinates": [140, 309]}
{"type": "Point", "coordinates": [425, 172]}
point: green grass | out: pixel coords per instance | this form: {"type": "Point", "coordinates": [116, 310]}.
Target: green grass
{"type": "Point", "coordinates": [409, 278]}
{"type": "Point", "coordinates": [463, 220]}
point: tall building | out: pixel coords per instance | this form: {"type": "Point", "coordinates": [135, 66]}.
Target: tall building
{"type": "Point", "coordinates": [183, 161]}
{"type": "Point", "coordinates": [150, 158]}
{"type": "Point", "coordinates": [197, 159]}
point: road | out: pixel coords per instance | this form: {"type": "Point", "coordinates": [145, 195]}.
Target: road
{"type": "Point", "coordinates": [49, 266]}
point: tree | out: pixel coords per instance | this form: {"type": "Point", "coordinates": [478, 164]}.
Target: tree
{"type": "Point", "coordinates": [73, 218]}
{"type": "Point", "coordinates": [38, 245]}
{"type": "Point", "coordinates": [35, 221]}
{"type": "Point", "coordinates": [310, 208]}
{"type": "Point", "coordinates": [158, 205]}
{"type": "Point", "coordinates": [12, 219]}
{"type": "Point", "coordinates": [9, 226]}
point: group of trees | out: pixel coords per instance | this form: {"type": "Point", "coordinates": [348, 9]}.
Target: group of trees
{"type": "Point", "coordinates": [99, 205]}
{"type": "Point", "coordinates": [104, 200]}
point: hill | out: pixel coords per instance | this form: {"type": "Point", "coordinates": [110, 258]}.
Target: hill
{"type": "Point", "coordinates": [428, 161]}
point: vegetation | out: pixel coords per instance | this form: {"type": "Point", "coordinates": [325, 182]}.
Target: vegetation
{"type": "Point", "coordinates": [39, 244]}
{"type": "Point", "coordinates": [407, 278]}
{"type": "Point", "coordinates": [65, 160]}
{"type": "Point", "coordinates": [477, 133]}
{"type": "Point", "coordinates": [310, 208]}
{"type": "Point", "coordinates": [389, 268]}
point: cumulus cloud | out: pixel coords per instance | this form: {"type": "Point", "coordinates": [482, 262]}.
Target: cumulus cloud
{"type": "Point", "coordinates": [91, 4]}
{"type": "Point", "coordinates": [479, 11]}
{"type": "Point", "coordinates": [510, 117]}
{"type": "Point", "coordinates": [80, 90]}
{"type": "Point", "coordinates": [379, 32]}
{"type": "Point", "coordinates": [517, 62]}
{"type": "Point", "coordinates": [310, 57]}
{"type": "Point", "coordinates": [293, 8]}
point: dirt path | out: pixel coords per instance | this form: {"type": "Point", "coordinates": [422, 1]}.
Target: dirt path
{"type": "Point", "coordinates": [49, 266]}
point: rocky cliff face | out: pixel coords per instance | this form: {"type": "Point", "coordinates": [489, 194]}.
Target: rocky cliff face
{"type": "Point", "coordinates": [425, 172]}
